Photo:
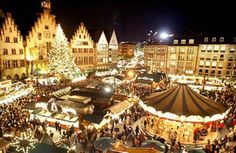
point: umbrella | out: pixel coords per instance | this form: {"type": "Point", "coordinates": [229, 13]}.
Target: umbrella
{"type": "Point", "coordinates": [103, 143]}
{"type": "Point", "coordinates": [154, 144]}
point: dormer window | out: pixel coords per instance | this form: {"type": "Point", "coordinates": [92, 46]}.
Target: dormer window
{"type": "Point", "coordinates": [221, 39]}
{"type": "Point", "coordinates": [206, 39]}
{"type": "Point", "coordinates": [175, 41]}
{"type": "Point", "coordinates": [183, 41]}
{"type": "Point", "coordinates": [214, 39]}
{"type": "Point", "coordinates": [191, 41]}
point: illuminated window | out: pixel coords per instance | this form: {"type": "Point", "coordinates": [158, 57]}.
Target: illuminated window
{"type": "Point", "coordinates": [214, 39]}
{"type": "Point", "coordinates": [207, 63]}
{"type": "Point", "coordinates": [213, 64]}
{"type": "Point", "coordinates": [175, 41]}
{"type": "Point", "coordinates": [201, 63]}
{"type": "Point", "coordinates": [221, 39]}
{"type": "Point", "coordinates": [216, 47]}
{"type": "Point", "coordinates": [183, 41]}
{"type": "Point", "coordinates": [206, 39]}
{"type": "Point", "coordinates": [191, 41]}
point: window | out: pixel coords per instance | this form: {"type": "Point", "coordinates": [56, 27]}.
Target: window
{"type": "Point", "coordinates": [206, 71]}
{"type": "Point", "coordinates": [13, 51]}
{"type": "Point", "coordinates": [183, 41]}
{"type": "Point", "coordinates": [80, 36]}
{"type": "Point", "coordinates": [10, 30]}
{"type": "Point", "coordinates": [191, 41]}
{"type": "Point", "coordinates": [39, 36]}
{"type": "Point", "coordinates": [85, 43]}
{"type": "Point", "coordinates": [7, 64]}
{"type": "Point", "coordinates": [219, 72]}
{"type": "Point", "coordinates": [207, 63]}
{"type": "Point", "coordinates": [175, 41]}
{"type": "Point", "coordinates": [15, 40]}
{"type": "Point", "coordinates": [214, 39]}
{"type": "Point", "coordinates": [200, 71]}
{"type": "Point", "coordinates": [40, 57]}
{"type": "Point", "coordinates": [14, 63]}
{"type": "Point", "coordinates": [206, 39]}
{"type": "Point", "coordinates": [213, 64]}
{"type": "Point", "coordinates": [221, 39]}
{"type": "Point", "coordinates": [46, 27]}
{"type": "Point", "coordinates": [5, 51]}
{"type": "Point", "coordinates": [46, 34]}
{"type": "Point", "coordinates": [201, 63]}
{"type": "Point", "coordinates": [22, 63]}
{"type": "Point", "coordinates": [7, 40]}
{"type": "Point", "coordinates": [84, 36]}
{"type": "Point", "coordinates": [212, 71]}
{"type": "Point", "coordinates": [222, 56]}
{"type": "Point", "coordinates": [91, 50]}
{"type": "Point", "coordinates": [85, 60]}
{"type": "Point", "coordinates": [91, 59]}
{"type": "Point", "coordinates": [48, 46]}
{"type": "Point", "coordinates": [85, 50]}
{"type": "Point", "coordinates": [21, 51]}
{"type": "Point", "coordinates": [74, 50]}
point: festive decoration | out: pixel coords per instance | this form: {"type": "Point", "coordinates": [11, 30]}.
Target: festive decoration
{"type": "Point", "coordinates": [60, 57]}
{"type": "Point", "coordinates": [24, 143]}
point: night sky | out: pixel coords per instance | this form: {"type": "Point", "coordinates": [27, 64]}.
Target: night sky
{"type": "Point", "coordinates": [132, 19]}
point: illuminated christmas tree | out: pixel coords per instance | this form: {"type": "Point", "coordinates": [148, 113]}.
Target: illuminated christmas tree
{"type": "Point", "coordinates": [61, 61]}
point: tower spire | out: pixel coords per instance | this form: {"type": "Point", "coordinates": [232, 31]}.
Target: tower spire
{"type": "Point", "coordinates": [46, 5]}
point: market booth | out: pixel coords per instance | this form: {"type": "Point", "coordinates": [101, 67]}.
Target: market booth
{"type": "Point", "coordinates": [181, 114]}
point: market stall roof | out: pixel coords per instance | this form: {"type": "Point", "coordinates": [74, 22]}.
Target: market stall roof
{"type": "Point", "coordinates": [182, 100]}
{"type": "Point", "coordinates": [45, 148]}
{"type": "Point", "coordinates": [119, 107]}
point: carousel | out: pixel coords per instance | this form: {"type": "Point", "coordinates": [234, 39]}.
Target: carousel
{"type": "Point", "coordinates": [181, 114]}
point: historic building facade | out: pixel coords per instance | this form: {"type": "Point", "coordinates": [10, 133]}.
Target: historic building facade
{"type": "Point", "coordinates": [182, 56]}
{"type": "Point", "coordinates": [155, 57]}
{"type": "Point", "coordinates": [12, 55]}
{"type": "Point", "coordinates": [106, 52]}
{"type": "Point", "coordinates": [113, 49]}
{"type": "Point", "coordinates": [217, 57]}
{"type": "Point", "coordinates": [39, 39]}
{"type": "Point", "coordinates": [126, 49]}
{"type": "Point", "coordinates": [82, 47]}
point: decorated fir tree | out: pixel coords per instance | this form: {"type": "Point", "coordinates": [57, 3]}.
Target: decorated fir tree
{"type": "Point", "coordinates": [60, 58]}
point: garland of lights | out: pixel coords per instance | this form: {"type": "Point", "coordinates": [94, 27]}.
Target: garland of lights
{"type": "Point", "coordinates": [24, 143]}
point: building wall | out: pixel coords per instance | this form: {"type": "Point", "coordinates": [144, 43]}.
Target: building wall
{"type": "Point", "coordinates": [102, 52]}
{"type": "Point", "coordinates": [155, 57]}
{"type": "Point", "coordinates": [113, 49]}
{"type": "Point", "coordinates": [217, 60]}
{"type": "Point", "coordinates": [126, 49]}
{"type": "Point", "coordinates": [83, 50]}
{"type": "Point", "coordinates": [12, 49]}
{"type": "Point", "coordinates": [182, 59]}
{"type": "Point", "coordinates": [38, 42]}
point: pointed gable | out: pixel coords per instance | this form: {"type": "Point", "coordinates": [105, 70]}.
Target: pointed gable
{"type": "Point", "coordinates": [10, 29]}
{"type": "Point", "coordinates": [113, 39]}
{"type": "Point", "coordinates": [103, 39]}
{"type": "Point", "coordinates": [81, 37]}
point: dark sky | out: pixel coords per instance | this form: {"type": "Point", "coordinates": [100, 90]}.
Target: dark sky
{"type": "Point", "coordinates": [132, 19]}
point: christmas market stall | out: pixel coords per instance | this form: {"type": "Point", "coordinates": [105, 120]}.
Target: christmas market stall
{"type": "Point", "coordinates": [181, 114]}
